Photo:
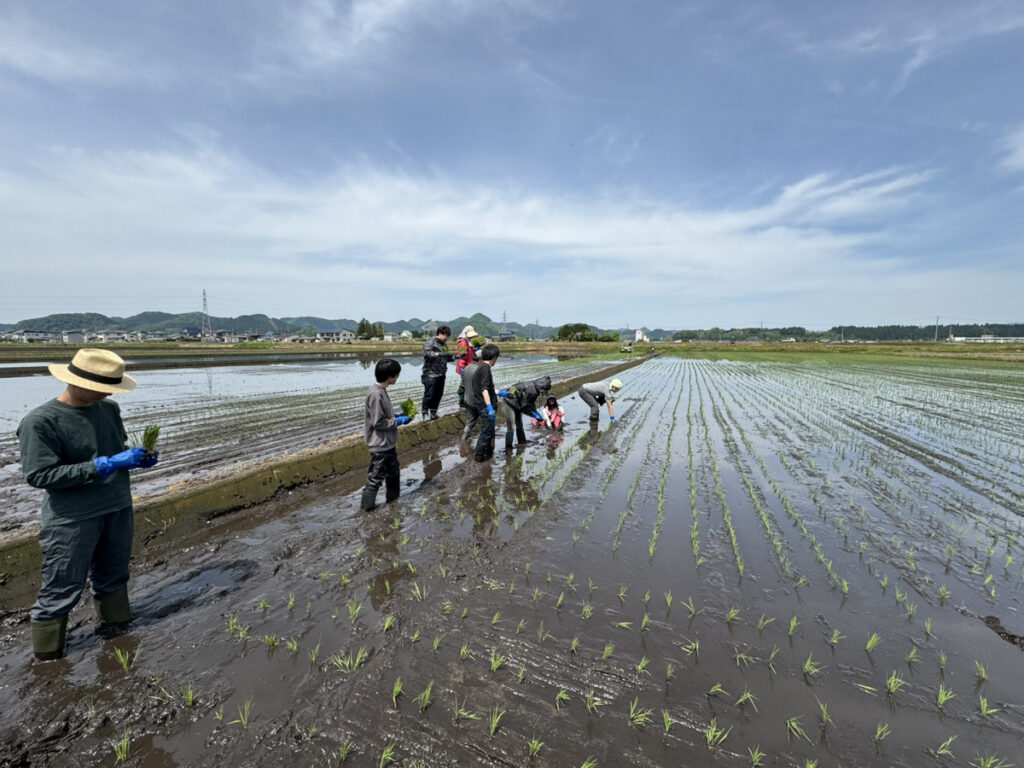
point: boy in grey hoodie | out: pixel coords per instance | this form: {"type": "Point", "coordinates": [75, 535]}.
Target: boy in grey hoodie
{"type": "Point", "coordinates": [380, 428]}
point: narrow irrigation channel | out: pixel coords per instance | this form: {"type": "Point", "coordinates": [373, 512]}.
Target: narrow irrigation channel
{"type": "Point", "coordinates": [790, 563]}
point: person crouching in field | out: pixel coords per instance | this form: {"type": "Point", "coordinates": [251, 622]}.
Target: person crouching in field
{"type": "Point", "coordinates": [73, 447]}
{"type": "Point", "coordinates": [552, 415]}
{"type": "Point", "coordinates": [599, 393]}
{"type": "Point", "coordinates": [380, 427]}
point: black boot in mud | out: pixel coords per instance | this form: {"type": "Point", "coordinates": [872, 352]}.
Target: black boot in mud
{"type": "Point", "coordinates": [434, 416]}
{"type": "Point", "coordinates": [114, 612]}
{"type": "Point", "coordinates": [48, 638]}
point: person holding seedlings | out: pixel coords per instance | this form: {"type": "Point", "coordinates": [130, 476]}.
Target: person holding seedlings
{"type": "Point", "coordinates": [380, 429]}
{"type": "Point", "coordinates": [552, 415]}
{"type": "Point", "coordinates": [480, 401]}
{"type": "Point", "coordinates": [435, 367]}
{"type": "Point", "coordinates": [521, 398]}
{"type": "Point", "coordinates": [73, 447]}
{"type": "Point", "coordinates": [600, 393]}
{"type": "Point", "coordinates": [465, 354]}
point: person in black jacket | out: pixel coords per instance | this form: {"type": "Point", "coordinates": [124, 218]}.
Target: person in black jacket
{"type": "Point", "coordinates": [518, 399]}
{"type": "Point", "coordinates": [435, 368]}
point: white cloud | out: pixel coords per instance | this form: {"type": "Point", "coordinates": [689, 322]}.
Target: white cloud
{"type": "Point", "coordinates": [1011, 146]}
{"type": "Point", "coordinates": [206, 212]}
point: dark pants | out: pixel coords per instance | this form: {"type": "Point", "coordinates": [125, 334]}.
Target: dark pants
{"type": "Point", "coordinates": [593, 401]}
{"type": "Point", "coordinates": [485, 442]}
{"type": "Point", "coordinates": [433, 388]}
{"type": "Point", "coordinates": [100, 545]}
{"type": "Point", "coordinates": [384, 468]}
{"type": "Point", "coordinates": [512, 417]}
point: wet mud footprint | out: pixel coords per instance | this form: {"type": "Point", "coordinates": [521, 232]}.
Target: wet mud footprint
{"type": "Point", "coordinates": [197, 587]}
{"type": "Point", "coordinates": [996, 625]}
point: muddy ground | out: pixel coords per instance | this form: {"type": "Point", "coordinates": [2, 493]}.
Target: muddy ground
{"type": "Point", "coordinates": [698, 584]}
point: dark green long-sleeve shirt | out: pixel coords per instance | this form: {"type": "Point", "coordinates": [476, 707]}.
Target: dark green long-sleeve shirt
{"type": "Point", "coordinates": [58, 445]}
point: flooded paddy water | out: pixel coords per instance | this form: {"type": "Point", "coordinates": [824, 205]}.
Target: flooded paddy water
{"type": "Point", "coordinates": [758, 564]}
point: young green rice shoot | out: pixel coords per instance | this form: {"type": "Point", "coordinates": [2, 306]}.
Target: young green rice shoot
{"type": "Point", "coordinates": [639, 716]}
{"type": "Point", "coordinates": [495, 719]}
{"type": "Point", "coordinates": [714, 735]}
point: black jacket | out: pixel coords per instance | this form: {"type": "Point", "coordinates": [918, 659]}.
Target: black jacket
{"type": "Point", "coordinates": [523, 394]}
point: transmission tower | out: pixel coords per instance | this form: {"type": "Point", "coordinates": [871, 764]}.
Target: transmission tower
{"type": "Point", "coordinates": [206, 334]}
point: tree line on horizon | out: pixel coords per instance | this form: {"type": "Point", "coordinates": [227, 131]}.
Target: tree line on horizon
{"type": "Point", "coordinates": [192, 322]}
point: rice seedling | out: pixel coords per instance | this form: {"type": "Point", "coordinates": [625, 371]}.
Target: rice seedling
{"type": "Point", "coordinates": [496, 618]}
{"type": "Point", "coordinates": [574, 645]}
{"type": "Point", "coordinates": [314, 654]}
{"type": "Point", "coordinates": [982, 673]}
{"type": "Point", "coordinates": [744, 658]}
{"type": "Point", "coordinates": [270, 641]}
{"type": "Point", "coordinates": [796, 731]}
{"type": "Point", "coordinates": [624, 624]}
{"type": "Point", "coordinates": [497, 660]}
{"type": "Point", "coordinates": [894, 683]}
{"type": "Point", "coordinates": [763, 622]}
{"type": "Point", "coordinates": [716, 688]}
{"type": "Point", "coordinates": [826, 718]}
{"type": "Point", "coordinates": [291, 601]}
{"type": "Point", "coordinates": [670, 670]}
{"type": "Point", "coordinates": [188, 696]}
{"type": "Point", "coordinates": [414, 637]}
{"type": "Point", "coordinates": [263, 605]}
{"type": "Point", "coordinates": [462, 713]}
{"type": "Point", "coordinates": [945, 748]}
{"type": "Point", "coordinates": [609, 649]}
{"type": "Point", "coordinates": [561, 698]}
{"type": "Point", "coordinates": [793, 624]}
{"type": "Point", "coordinates": [521, 674]}
{"type": "Point", "coordinates": [811, 667]}
{"type": "Point", "coordinates": [639, 716]}
{"type": "Point", "coordinates": [641, 666]}
{"type": "Point", "coordinates": [423, 698]}
{"type": "Point", "coordinates": [989, 761]}
{"type": "Point", "coordinates": [645, 621]}
{"type": "Point", "coordinates": [756, 756]}
{"type": "Point", "coordinates": [122, 747]}
{"type": "Point", "coordinates": [835, 638]}
{"type": "Point", "coordinates": [747, 697]}
{"type": "Point", "coordinates": [387, 756]}
{"type": "Point", "coordinates": [668, 600]}
{"type": "Point", "coordinates": [943, 659]}
{"type": "Point", "coordinates": [561, 599]}
{"type": "Point", "coordinates": [592, 703]}
{"type": "Point", "coordinates": [912, 656]}
{"type": "Point", "coordinates": [590, 762]}
{"type": "Point", "coordinates": [244, 713]}
{"type": "Point", "coordinates": [945, 694]}
{"type": "Point", "coordinates": [421, 593]}
{"type": "Point", "coordinates": [126, 659]}
{"type": "Point", "coordinates": [464, 653]}
{"type": "Point", "coordinates": [354, 609]}
{"type": "Point", "coordinates": [869, 689]}
{"type": "Point", "coordinates": [691, 648]}
{"type": "Point", "coordinates": [986, 710]}
{"type": "Point", "coordinates": [882, 731]}
{"type": "Point", "coordinates": [587, 611]}
{"type": "Point", "coordinates": [714, 736]}
{"type": "Point", "coordinates": [622, 592]}
{"type": "Point", "coordinates": [436, 643]}
{"type": "Point", "coordinates": [535, 746]}
{"type": "Point", "coordinates": [732, 615]}
{"type": "Point", "coordinates": [495, 719]}
{"type": "Point", "coordinates": [542, 634]}
{"type": "Point", "coordinates": [873, 642]}
{"type": "Point", "coordinates": [690, 606]}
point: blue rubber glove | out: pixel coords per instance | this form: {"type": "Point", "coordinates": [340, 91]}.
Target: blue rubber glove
{"type": "Point", "coordinates": [612, 418]}
{"type": "Point", "coordinates": [400, 420]}
{"type": "Point", "coordinates": [150, 459]}
{"type": "Point", "coordinates": [490, 412]}
{"type": "Point", "coordinates": [537, 416]}
{"type": "Point", "coordinates": [130, 459]}
{"type": "Point", "coordinates": [503, 393]}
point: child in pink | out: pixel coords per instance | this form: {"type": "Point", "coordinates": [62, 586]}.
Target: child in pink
{"type": "Point", "coordinates": [553, 413]}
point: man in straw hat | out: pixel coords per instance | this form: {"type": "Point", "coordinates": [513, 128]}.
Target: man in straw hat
{"type": "Point", "coordinates": [73, 447]}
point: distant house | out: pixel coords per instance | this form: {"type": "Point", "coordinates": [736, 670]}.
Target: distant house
{"type": "Point", "coordinates": [335, 336]}
{"type": "Point", "coordinates": [505, 336]}
{"type": "Point", "coordinates": [391, 336]}
{"type": "Point", "coordinates": [111, 337]}
{"type": "Point", "coordinates": [73, 337]}
{"type": "Point", "coordinates": [25, 336]}
{"type": "Point", "coordinates": [640, 336]}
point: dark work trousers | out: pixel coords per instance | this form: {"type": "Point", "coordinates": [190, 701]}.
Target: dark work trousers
{"type": "Point", "coordinates": [433, 388]}
{"type": "Point", "coordinates": [384, 468]}
{"type": "Point", "coordinates": [593, 401]}
{"type": "Point", "coordinates": [485, 442]}
{"type": "Point", "coordinates": [512, 417]}
{"type": "Point", "coordinates": [100, 545]}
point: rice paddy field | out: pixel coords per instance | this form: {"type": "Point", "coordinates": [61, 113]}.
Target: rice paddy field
{"type": "Point", "coordinates": [793, 562]}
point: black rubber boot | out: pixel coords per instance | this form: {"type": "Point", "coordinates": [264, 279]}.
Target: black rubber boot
{"type": "Point", "coordinates": [392, 488]}
{"type": "Point", "coordinates": [48, 638]}
{"type": "Point", "coordinates": [113, 609]}
{"type": "Point", "coordinates": [433, 415]}
{"type": "Point", "coordinates": [368, 502]}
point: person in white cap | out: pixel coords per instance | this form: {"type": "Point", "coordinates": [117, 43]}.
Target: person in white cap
{"type": "Point", "coordinates": [73, 447]}
{"type": "Point", "coordinates": [599, 393]}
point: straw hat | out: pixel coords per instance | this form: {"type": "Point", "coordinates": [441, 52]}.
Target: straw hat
{"type": "Point", "coordinates": [469, 333]}
{"type": "Point", "coordinates": [95, 369]}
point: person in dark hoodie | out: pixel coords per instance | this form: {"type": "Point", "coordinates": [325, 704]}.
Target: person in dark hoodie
{"type": "Point", "coordinates": [518, 399]}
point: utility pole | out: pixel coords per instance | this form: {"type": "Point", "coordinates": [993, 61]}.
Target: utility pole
{"type": "Point", "coordinates": [936, 329]}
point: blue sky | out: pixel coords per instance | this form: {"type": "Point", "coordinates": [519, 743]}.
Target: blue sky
{"type": "Point", "coordinates": [661, 164]}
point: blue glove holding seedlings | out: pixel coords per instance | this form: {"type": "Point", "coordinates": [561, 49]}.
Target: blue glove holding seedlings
{"type": "Point", "coordinates": [612, 418]}
{"type": "Point", "coordinates": [503, 393]}
{"type": "Point", "coordinates": [400, 420]}
{"type": "Point", "coordinates": [490, 412]}
{"type": "Point", "coordinates": [130, 459]}
{"type": "Point", "coordinates": [537, 416]}
{"type": "Point", "coordinates": [149, 459]}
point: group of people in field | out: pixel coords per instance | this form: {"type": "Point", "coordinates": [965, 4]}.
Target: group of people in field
{"type": "Point", "coordinates": [75, 448]}
{"type": "Point", "coordinates": [477, 395]}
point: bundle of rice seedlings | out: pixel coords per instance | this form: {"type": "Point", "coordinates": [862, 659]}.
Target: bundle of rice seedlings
{"type": "Point", "coordinates": [409, 408]}
{"type": "Point", "coordinates": [149, 438]}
